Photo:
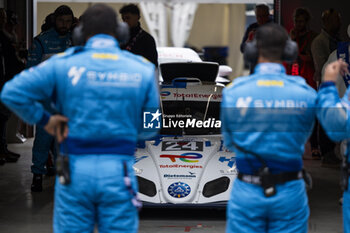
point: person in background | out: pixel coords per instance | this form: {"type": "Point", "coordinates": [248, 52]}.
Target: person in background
{"type": "Point", "coordinates": [322, 46]}
{"type": "Point", "coordinates": [140, 42]}
{"type": "Point", "coordinates": [302, 34]}
{"type": "Point", "coordinates": [55, 38]}
{"type": "Point", "coordinates": [49, 23]}
{"type": "Point", "coordinates": [262, 14]}
{"type": "Point", "coordinates": [10, 66]}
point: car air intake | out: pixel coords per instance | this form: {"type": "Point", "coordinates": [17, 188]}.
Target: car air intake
{"type": "Point", "coordinates": [216, 186]}
{"type": "Point", "coordinates": [146, 187]}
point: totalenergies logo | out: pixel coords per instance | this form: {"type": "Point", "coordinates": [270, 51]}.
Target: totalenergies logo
{"type": "Point", "coordinates": [164, 94]}
{"type": "Point", "coordinates": [185, 157]}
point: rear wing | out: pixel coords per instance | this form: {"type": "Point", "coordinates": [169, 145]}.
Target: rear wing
{"type": "Point", "coordinates": [204, 71]}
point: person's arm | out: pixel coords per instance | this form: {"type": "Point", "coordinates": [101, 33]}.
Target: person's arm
{"type": "Point", "coordinates": [225, 111]}
{"type": "Point", "coordinates": [35, 53]}
{"type": "Point", "coordinates": [151, 50]}
{"type": "Point", "coordinates": [151, 104]}
{"type": "Point", "coordinates": [333, 112]}
{"type": "Point", "coordinates": [245, 38]}
{"type": "Point", "coordinates": [26, 90]}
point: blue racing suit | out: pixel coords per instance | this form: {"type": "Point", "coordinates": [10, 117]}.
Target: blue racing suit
{"type": "Point", "coordinates": [103, 91]}
{"type": "Point", "coordinates": [45, 45]}
{"type": "Point", "coordinates": [270, 114]}
{"type": "Point", "coordinates": [333, 114]}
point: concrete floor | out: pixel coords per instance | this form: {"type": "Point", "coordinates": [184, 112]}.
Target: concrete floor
{"type": "Point", "coordinates": [24, 212]}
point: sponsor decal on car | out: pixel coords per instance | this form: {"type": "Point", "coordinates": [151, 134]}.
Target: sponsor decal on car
{"type": "Point", "coordinates": [180, 176]}
{"type": "Point", "coordinates": [179, 190]}
{"type": "Point", "coordinates": [230, 161]}
{"type": "Point", "coordinates": [180, 166]}
{"type": "Point", "coordinates": [185, 157]}
{"type": "Point", "coordinates": [164, 94]}
{"type": "Point", "coordinates": [182, 146]}
{"type": "Point", "coordinates": [197, 95]}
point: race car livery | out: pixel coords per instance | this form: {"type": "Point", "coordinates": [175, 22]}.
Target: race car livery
{"type": "Point", "coordinates": [187, 164]}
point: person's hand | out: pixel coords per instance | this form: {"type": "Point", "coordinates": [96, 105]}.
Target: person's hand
{"type": "Point", "coordinates": [334, 69]}
{"type": "Point", "coordinates": [54, 127]}
{"type": "Point", "coordinates": [251, 35]}
{"type": "Point", "coordinates": [293, 34]}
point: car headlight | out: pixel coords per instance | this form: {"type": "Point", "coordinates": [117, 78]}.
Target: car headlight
{"type": "Point", "coordinates": [137, 170]}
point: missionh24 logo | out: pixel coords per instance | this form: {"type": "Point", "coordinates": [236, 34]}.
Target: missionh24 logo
{"type": "Point", "coordinates": [179, 190]}
{"type": "Point", "coordinates": [152, 120]}
{"type": "Point", "coordinates": [185, 157]}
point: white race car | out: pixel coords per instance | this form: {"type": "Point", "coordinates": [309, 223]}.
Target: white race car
{"type": "Point", "coordinates": [187, 164]}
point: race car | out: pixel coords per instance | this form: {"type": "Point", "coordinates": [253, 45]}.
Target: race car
{"type": "Point", "coordinates": [187, 164]}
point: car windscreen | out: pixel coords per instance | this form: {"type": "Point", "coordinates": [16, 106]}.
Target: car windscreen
{"type": "Point", "coordinates": [190, 117]}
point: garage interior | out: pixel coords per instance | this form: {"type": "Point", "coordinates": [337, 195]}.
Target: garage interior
{"type": "Point", "coordinates": [24, 211]}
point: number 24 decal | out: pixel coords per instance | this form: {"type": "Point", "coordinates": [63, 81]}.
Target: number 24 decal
{"type": "Point", "coordinates": [182, 146]}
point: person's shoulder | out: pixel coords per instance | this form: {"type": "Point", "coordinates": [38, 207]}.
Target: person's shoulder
{"type": "Point", "coordinates": [313, 34]}
{"type": "Point", "coordinates": [318, 42]}
{"type": "Point", "coordinates": [138, 60]}
{"type": "Point", "coordinates": [253, 26]}
{"type": "Point", "coordinates": [299, 83]}
{"type": "Point", "coordinates": [147, 36]}
{"type": "Point", "coordinates": [239, 83]}
{"type": "Point", "coordinates": [70, 52]}
{"type": "Point", "coordinates": [318, 37]}
{"type": "Point", "coordinates": [46, 34]}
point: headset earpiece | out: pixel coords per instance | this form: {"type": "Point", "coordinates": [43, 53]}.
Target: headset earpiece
{"type": "Point", "coordinates": [122, 33]}
{"type": "Point", "coordinates": [290, 52]}
{"type": "Point", "coordinates": [251, 54]}
{"type": "Point", "coordinates": [78, 36]}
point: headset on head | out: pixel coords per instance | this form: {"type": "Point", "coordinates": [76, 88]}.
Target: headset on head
{"type": "Point", "coordinates": [121, 33]}
{"type": "Point", "coordinates": [251, 53]}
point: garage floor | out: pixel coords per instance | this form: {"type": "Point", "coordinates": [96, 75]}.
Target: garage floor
{"type": "Point", "coordinates": [24, 212]}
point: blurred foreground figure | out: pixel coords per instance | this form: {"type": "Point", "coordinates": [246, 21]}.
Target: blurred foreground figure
{"type": "Point", "coordinates": [266, 119]}
{"type": "Point", "coordinates": [101, 93]}
{"type": "Point", "coordinates": [333, 113]}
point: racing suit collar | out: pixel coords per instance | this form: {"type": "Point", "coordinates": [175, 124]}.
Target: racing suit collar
{"type": "Point", "coordinates": [269, 68]}
{"type": "Point", "coordinates": [102, 41]}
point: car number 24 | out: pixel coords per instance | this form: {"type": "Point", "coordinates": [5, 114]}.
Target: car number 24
{"type": "Point", "coordinates": [182, 146]}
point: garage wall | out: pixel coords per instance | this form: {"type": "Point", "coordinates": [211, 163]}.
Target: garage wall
{"type": "Point", "coordinates": [220, 25]}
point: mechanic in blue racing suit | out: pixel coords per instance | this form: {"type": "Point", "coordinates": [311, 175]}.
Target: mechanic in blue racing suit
{"type": "Point", "coordinates": [101, 93]}
{"type": "Point", "coordinates": [333, 113]}
{"type": "Point", "coordinates": [267, 118]}
{"type": "Point", "coordinates": [45, 45]}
